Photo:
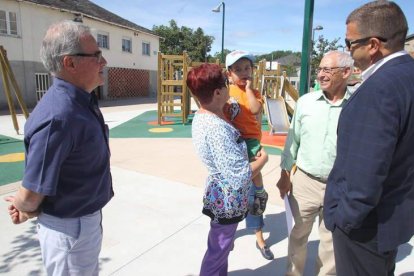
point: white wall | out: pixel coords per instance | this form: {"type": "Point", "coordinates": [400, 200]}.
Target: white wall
{"type": "Point", "coordinates": [12, 44]}
{"type": "Point", "coordinates": [409, 45]}
{"type": "Point", "coordinates": [33, 21]}
{"type": "Point", "coordinates": [116, 57]}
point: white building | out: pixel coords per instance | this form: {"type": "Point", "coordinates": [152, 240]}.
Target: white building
{"type": "Point", "coordinates": [131, 50]}
{"type": "Point", "coordinates": [409, 44]}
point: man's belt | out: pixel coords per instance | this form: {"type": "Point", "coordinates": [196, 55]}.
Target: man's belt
{"type": "Point", "coordinates": [320, 179]}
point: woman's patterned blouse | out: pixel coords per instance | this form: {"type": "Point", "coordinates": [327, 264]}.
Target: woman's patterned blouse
{"type": "Point", "coordinates": [224, 152]}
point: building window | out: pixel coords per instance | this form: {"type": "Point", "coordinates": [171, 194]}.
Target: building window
{"type": "Point", "coordinates": [42, 84]}
{"type": "Point", "coordinates": [103, 40]}
{"type": "Point", "coordinates": [8, 23]}
{"type": "Point", "coordinates": [146, 49]}
{"type": "Point", "coordinates": [127, 45]}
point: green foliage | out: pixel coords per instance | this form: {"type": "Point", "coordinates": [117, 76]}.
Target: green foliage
{"type": "Point", "coordinates": [276, 55]}
{"type": "Point", "coordinates": [217, 55]}
{"type": "Point", "coordinates": [175, 40]}
{"type": "Point", "coordinates": [290, 70]}
{"type": "Point", "coordinates": [321, 47]}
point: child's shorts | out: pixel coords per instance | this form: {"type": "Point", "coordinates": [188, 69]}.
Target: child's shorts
{"type": "Point", "coordinates": [253, 147]}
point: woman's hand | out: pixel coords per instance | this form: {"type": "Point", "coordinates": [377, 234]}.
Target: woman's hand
{"type": "Point", "coordinates": [262, 154]}
{"type": "Point", "coordinates": [259, 161]}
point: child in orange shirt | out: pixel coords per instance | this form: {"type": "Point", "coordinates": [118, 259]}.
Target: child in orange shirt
{"type": "Point", "coordinates": [244, 111]}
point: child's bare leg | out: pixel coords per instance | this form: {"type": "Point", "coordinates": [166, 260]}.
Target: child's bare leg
{"type": "Point", "coordinates": [259, 238]}
{"type": "Point", "coordinates": [258, 181]}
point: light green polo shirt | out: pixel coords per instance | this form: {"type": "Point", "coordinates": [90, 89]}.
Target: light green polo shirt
{"type": "Point", "coordinates": [311, 141]}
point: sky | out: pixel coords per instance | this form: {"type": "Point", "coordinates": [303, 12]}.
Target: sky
{"type": "Point", "coordinates": [258, 26]}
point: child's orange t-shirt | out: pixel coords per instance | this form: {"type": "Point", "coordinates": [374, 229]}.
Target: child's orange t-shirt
{"type": "Point", "coordinates": [238, 112]}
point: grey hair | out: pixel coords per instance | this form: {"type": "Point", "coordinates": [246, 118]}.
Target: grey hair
{"type": "Point", "coordinates": [344, 59]}
{"type": "Point", "coordinates": [62, 38]}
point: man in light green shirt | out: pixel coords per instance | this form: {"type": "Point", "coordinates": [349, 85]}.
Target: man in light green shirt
{"type": "Point", "coordinates": [311, 146]}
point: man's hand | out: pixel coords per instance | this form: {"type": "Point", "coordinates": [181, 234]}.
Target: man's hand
{"type": "Point", "coordinates": [284, 185]}
{"type": "Point", "coordinates": [17, 216]}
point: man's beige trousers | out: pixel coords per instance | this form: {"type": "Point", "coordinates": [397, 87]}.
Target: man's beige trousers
{"type": "Point", "coordinates": [306, 201]}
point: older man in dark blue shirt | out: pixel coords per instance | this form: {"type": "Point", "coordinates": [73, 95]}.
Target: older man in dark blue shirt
{"type": "Point", "coordinates": [67, 177]}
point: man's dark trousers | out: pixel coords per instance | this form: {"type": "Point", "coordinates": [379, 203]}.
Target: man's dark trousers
{"type": "Point", "coordinates": [356, 254]}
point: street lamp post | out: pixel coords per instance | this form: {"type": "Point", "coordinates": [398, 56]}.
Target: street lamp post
{"type": "Point", "coordinates": [317, 28]}
{"type": "Point", "coordinates": [217, 9]}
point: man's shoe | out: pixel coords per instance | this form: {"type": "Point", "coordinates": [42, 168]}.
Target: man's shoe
{"type": "Point", "coordinates": [266, 252]}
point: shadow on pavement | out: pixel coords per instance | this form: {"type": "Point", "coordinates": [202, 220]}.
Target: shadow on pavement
{"type": "Point", "coordinates": [275, 226]}
{"type": "Point", "coordinates": [24, 248]}
{"type": "Point", "coordinates": [25, 251]}
{"type": "Point", "coordinates": [404, 251]}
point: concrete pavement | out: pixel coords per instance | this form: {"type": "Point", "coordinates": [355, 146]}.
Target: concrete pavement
{"type": "Point", "coordinates": [154, 225]}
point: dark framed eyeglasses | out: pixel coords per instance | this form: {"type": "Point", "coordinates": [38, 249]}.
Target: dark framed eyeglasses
{"type": "Point", "coordinates": [97, 55]}
{"type": "Point", "coordinates": [349, 43]}
{"type": "Point", "coordinates": [328, 70]}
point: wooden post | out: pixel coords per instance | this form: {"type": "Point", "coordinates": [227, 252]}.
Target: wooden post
{"type": "Point", "coordinates": [159, 79]}
{"type": "Point", "coordinates": [14, 83]}
{"type": "Point", "coordinates": [185, 97]}
{"type": "Point", "coordinates": [10, 100]}
{"type": "Point", "coordinates": [6, 74]}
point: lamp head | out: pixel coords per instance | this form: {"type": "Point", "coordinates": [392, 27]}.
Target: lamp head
{"type": "Point", "coordinates": [217, 9]}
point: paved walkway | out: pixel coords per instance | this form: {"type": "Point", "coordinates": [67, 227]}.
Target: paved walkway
{"type": "Point", "coordinates": [154, 225]}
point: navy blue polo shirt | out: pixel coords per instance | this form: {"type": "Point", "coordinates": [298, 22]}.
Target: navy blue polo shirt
{"type": "Point", "coordinates": [67, 152]}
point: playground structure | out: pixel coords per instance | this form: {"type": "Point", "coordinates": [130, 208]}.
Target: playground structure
{"type": "Point", "coordinates": [275, 88]}
{"type": "Point", "coordinates": [7, 77]}
{"type": "Point", "coordinates": [174, 97]}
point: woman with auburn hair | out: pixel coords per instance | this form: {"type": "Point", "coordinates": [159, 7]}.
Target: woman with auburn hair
{"type": "Point", "coordinates": [224, 152]}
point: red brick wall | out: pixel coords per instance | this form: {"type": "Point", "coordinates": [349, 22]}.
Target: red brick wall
{"type": "Point", "coordinates": [124, 82]}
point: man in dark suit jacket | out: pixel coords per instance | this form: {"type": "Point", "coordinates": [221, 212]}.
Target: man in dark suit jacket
{"type": "Point", "coordinates": [369, 200]}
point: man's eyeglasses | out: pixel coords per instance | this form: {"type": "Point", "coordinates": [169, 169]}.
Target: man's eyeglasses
{"type": "Point", "coordinates": [349, 43]}
{"type": "Point", "coordinates": [97, 55]}
{"type": "Point", "coordinates": [328, 70]}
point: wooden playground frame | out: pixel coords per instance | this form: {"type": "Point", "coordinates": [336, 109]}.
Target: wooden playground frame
{"type": "Point", "coordinates": [7, 77]}
{"type": "Point", "coordinates": [173, 95]}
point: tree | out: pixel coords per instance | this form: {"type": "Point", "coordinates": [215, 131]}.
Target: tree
{"type": "Point", "coordinates": [217, 55]}
{"type": "Point", "coordinates": [276, 55]}
{"type": "Point", "coordinates": [175, 40]}
{"type": "Point", "coordinates": [201, 45]}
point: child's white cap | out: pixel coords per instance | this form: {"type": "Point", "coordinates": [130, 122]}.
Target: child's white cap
{"type": "Point", "coordinates": [236, 55]}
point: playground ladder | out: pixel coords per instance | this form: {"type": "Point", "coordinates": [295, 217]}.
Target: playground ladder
{"type": "Point", "coordinates": [172, 93]}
